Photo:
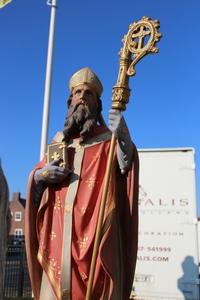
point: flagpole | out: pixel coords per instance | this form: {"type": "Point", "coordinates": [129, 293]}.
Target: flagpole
{"type": "Point", "coordinates": [47, 90]}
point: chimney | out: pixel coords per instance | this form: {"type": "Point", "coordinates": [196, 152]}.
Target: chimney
{"type": "Point", "coordinates": [15, 196]}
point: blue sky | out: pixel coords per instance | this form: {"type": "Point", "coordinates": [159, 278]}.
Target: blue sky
{"type": "Point", "coordinates": [164, 107]}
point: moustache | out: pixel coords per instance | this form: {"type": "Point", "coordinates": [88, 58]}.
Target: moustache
{"type": "Point", "coordinates": [75, 107]}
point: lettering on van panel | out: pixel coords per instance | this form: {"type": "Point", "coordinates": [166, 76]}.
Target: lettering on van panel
{"type": "Point", "coordinates": [148, 278]}
{"type": "Point", "coordinates": [153, 258]}
{"type": "Point", "coordinates": [155, 248]}
{"type": "Point", "coordinates": [164, 211]}
{"type": "Point", "coordinates": [163, 202]}
{"type": "Point", "coordinates": [162, 233]}
{"type": "Point", "coordinates": [180, 205]}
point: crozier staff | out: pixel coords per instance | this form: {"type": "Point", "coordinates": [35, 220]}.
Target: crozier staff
{"type": "Point", "coordinates": [63, 204]}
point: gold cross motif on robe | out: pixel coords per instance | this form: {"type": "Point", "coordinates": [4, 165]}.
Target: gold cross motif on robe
{"type": "Point", "coordinates": [91, 182]}
{"type": "Point", "coordinates": [68, 208]}
{"type": "Point", "coordinates": [82, 242]}
{"type": "Point", "coordinates": [57, 205]}
{"type": "Point", "coordinates": [52, 235]}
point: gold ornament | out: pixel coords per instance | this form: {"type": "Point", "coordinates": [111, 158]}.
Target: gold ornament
{"type": "Point", "coordinates": [138, 42]}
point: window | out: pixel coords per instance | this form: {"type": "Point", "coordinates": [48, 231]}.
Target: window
{"type": "Point", "coordinates": [18, 232]}
{"type": "Point", "coordinates": [18, 216]}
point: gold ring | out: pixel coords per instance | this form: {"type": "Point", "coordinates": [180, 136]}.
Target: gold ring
{"type": "Point", "coordinates": [45, 173]}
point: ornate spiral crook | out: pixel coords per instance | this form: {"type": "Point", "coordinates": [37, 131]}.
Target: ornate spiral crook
{"type": "Point", "coordinates": [138, 42]}
{"type": "Point", "coordinates": [141, 39]}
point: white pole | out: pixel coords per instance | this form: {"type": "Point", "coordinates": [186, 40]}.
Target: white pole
{"type": "Point", "coordinates": [47, 91]}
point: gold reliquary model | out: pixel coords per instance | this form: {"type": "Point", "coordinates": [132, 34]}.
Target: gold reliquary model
{"type": "Point", "coordinates": [57, 151]}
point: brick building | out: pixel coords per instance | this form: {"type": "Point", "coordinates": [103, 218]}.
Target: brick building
{"type": "Point", "coordinates": [17, 208]}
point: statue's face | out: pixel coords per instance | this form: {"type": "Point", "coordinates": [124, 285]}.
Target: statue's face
{"type": "Point", "coordinates": [82, 114]}
{"type": "Point", "coordinates": [86, 95]}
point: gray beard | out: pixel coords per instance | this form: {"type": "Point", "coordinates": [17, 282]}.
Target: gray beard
{"type": "Point", "coordinates": [80, 120]}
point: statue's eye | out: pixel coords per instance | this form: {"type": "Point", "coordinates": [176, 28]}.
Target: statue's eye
{"type": "Point", "coordinates": [88, 92]}
{"type": "Point", "coordinates": [77, 92]}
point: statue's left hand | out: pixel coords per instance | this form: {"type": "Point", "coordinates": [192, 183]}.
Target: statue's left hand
{"type": "Point", "coordinates": [117, 124]}
{"type": "Point", "coordinates": [51, 173]}
{"type": "Point", "coordinates": [118, 127]}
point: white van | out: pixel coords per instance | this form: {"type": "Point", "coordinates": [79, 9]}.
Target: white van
{"type": "Point", "coordinates": [167, 262]}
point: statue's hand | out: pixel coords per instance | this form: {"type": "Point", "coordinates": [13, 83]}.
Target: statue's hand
{"type": "Point", "coordinates": [118, 127]}
{"type": "Point", "coordinates": [51, 173]}
{"type": "Point", "coordinates": [117, 124]}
